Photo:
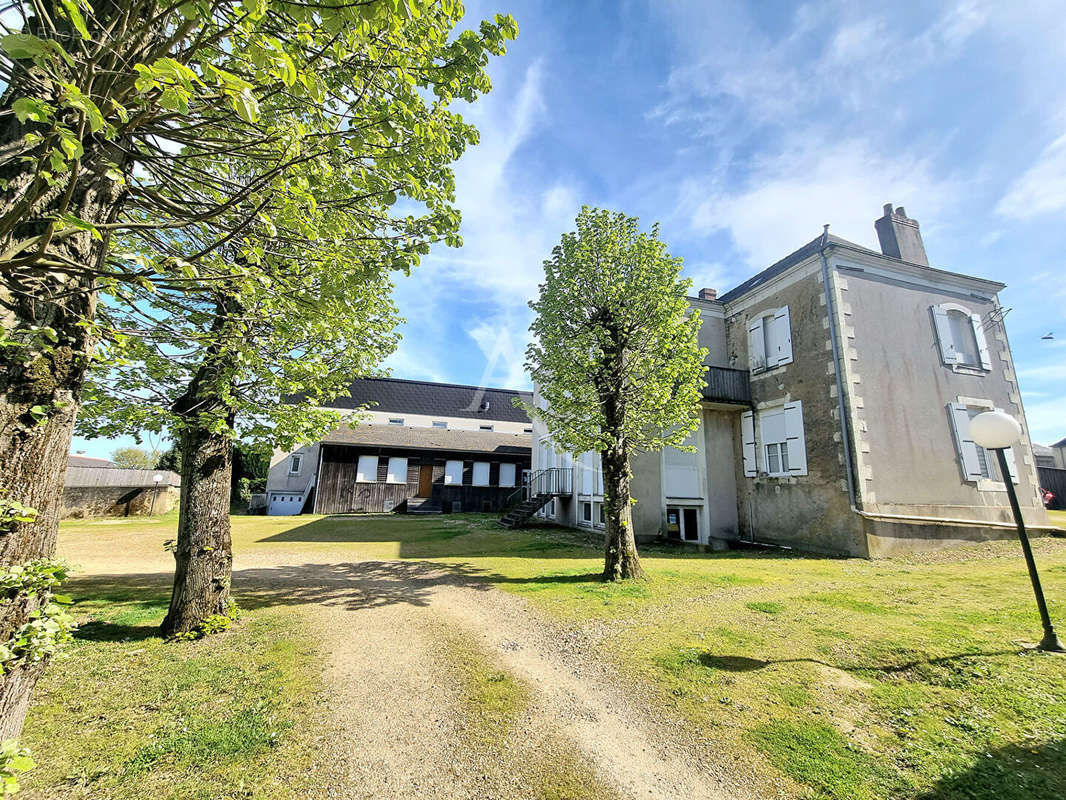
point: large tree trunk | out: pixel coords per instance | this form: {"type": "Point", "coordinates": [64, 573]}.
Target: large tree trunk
{"type": "Point", "coordinates": [204, 552]}
{"type": "Point", "coordinates": [621, 560]}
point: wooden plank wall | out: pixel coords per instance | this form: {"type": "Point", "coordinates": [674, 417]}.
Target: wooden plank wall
{"type": "Point", "coordinates": [339, 493]}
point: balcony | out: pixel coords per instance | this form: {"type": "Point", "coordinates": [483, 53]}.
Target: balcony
{"type": "Point", "coordinates": [729, 386]}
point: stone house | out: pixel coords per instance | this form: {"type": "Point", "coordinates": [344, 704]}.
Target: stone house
{"type": "Point", "coordinates": [839, 388]}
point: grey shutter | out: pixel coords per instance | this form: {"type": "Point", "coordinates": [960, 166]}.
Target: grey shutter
{"type": "Point", "coordinates": [757, 345]}
{"type": "Point", "coordinates": [967, 449]}
{"type": "Point", "coordinates": [943, 335]}
{"type": "Point", "coordinates": [747, 437]}
{"type": "Point", "coordinates": [797, 442]}
{"type": "Point", "coordinates": [982, 344]}
{"type": "Point", "coordinates": [783, 336]}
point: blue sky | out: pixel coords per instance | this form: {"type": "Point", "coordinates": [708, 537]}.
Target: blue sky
{"type": "Point", "coordinates": [742, 128]}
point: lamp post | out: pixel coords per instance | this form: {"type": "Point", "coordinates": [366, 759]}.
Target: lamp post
{"type": "Point", "coordinates": [995, 430]}
{"type": "Point", "coordinates": [156, 479]}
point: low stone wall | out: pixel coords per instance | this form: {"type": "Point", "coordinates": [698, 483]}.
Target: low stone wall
{"type": "Point", "coordinates": [117, 501]}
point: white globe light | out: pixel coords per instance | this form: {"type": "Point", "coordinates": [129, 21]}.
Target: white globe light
{"type": "Point", "coordinates": [995, 429]}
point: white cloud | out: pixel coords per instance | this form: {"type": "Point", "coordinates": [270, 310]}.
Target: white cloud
{"type": "Point", "coordinates": [787, 199]}
{"type": "Point", "coordinates": [1041, 188]}
{"type": "Point", "coordinates": [1046, 420]}
{"type": "Point", "coordinates": [504, 352]}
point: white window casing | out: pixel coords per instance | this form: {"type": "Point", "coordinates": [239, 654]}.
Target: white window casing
{"type": "Point", "coordinates": [747, 437]}
{"type": "Point", "coordinates": [453, 473]}
{"type": "Point", "coordinates": [367, 469]}
{"type": "Point", "coordinates": [507, 474]}
{"type": "Point", "coordinates": [296, 462]}
{"type": "Point", "coordinates": [397, 472]}
{"type": "Point", "coordinates": [794, 436]}
{"type": "Point", "coordinates": [954, 325]}
{"type": "Point", "coordinates": [773, 436]}
{"type": "Point", "coordinates": [481, 473]}
{"type": "Point", "coordinates": [757, 344]}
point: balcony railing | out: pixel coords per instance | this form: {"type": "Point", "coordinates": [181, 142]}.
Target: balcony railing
{"type": "Point", "coordinates": [724, 385]}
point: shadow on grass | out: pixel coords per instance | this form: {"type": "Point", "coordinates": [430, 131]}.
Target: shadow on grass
{"type": "Point", "coordinates": [1009, 773]}
{"type": "Point", "coordinates": [731, 663]}
{"type": "Point", "coordinates": [100, 631]}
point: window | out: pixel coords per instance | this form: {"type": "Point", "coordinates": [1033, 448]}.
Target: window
{"type": "Point", "coordinates": [977, 464]}
{"type": "Point", "coordinates": [770, 340]}
{"type": "Point", "coordinates": [586, 512]}
{"type": "Point", "coordinates": [600, 516]}
{"type": "Point", "coordinates": [507, 474]}
{"type": "Point", "coordinates": [396, 420]}
{"type": "Point", "coordinates": [453, 473]}
{"type": "Point", "coordinates": [439, 423]}
{"type": "Point", "coordinates": [481, 473]}
{"type": "Point", "coordinates": [527, 430]}
{"type": "Point", "coordinates": [961, 336]}
{"type": "Point", "coordinates": [486, 427]}
{"type": "Point", "coordinates": [397, 472]}
{"type": "Point", "coordinates": [367, 470]}
{"type": "Point", "coordinates": [296, 462]}
{"type": "Point", "coordinates": [783, 444]}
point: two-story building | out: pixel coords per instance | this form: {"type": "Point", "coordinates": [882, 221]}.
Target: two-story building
{"type": "Point", "coordinates": [839, 388]}
{"type": "Point", "coordinates": [417, 447]}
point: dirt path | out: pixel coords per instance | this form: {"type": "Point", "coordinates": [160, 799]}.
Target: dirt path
{"type": "Point", "coordinates": [396, 728]}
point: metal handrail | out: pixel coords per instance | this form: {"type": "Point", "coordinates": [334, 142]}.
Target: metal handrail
{"type": "Point", "coordinates": [552, 481]}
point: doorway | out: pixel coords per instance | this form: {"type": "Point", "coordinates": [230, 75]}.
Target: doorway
{"type": "Point", "coordinates": [425, 480]}
{"type": "Point", "coordinates": [683, 523]}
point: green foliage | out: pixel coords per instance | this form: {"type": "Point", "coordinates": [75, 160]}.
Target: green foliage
{"type": "Point", "coordinates": [49, 626]}
{"type": "Point", "coordinates": [613, 327]}
{"type": "Point", "coordinates": [14, 761]}
{"type": "Point", "coordinates": [12, 512]}
{"type": "Point", "coordinates": [134, 458]}
{"type": "Point", "coordinates": [216, 623]}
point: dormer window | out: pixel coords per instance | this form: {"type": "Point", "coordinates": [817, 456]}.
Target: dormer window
{"type": "Point", "coordinates": [961, 337]}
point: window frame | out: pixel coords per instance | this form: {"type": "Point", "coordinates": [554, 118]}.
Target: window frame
{"type": "Point", "coordinates": [486, 428]}
{"type": "Point", "coordinates": [373, 473]}
{"type": "Point", "coordinates": [296, 463]}
{"type": "Point", "coordinates": [396, 420]}
{"type": "Point", "coordinates": [439, 423]}
{"type": "Point", "coordinates": [449, 474]}
{"type": "Point", "coordinates": [507, 466]}
{"type": "Point", "coordinates": [950, 354]}
{"type": "Point", "coordinates": [474, 473]}
{"type": "Point", "coordinates": [389, 472]}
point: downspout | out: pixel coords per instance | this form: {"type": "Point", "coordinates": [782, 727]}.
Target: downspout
{"type": "Point", "coordinates": [844, 428]}
{"type": "Point", "coordinates": [845, 435]}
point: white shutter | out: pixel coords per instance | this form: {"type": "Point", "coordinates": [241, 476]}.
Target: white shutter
{"type": "Point", "coordinates": [481, 473]}
{"type": "Point", "coordinates": [747, 437]}
{"type": "Point", "coordinates": [960, 424]}
{"type": "Point", "coordinates": [982, 344]}
{"type": "Point", "coordinates": [943, 335]}
{"type": "Point", "coordinates": [506, 475]}
{"type": "Point", "coordinates": [783, 336]}
{"type": "Point", "coordinates": [1012, 468]}
{"type": "Point", "coordinates": [797, 442]}
{"type": "Point", "coordinates": [757, 344]}
{"type": "Point", "coordinates": [397, 471]}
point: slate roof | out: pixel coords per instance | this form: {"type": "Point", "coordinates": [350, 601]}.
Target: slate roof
{"type": "Point", "coordinates": [435, 399]}
{"type": "Point", "coordinates": [447, 439]}
{"type": "Point", "coordinates": [1060, 443]}
{"type": "Point", "coordinates": [88, 461]}
{"type": "Point", "coordinates": [793, 258]}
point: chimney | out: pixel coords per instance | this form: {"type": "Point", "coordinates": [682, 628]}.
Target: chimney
{"type": "Point", "coordinates": [900, 237]}
{"type": "Point", "coordinates": [708, 294]}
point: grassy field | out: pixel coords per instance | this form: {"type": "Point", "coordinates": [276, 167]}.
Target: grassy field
{"type": "Point", "coordinates": [908, 678]}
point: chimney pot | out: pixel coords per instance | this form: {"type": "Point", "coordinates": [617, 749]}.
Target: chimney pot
{"type": "Point", "coordinates": [900, 237]}
{"type": "Point", "coordinates": [708, 294]}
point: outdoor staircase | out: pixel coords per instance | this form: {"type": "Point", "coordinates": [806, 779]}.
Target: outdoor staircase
{"type": "Point", "coordinates": [423, 505]}
{"type": "Point", "coordinates": [540, 487]}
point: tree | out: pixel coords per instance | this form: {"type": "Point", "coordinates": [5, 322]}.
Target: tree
{"type": "Point", "coordinates": [111, 114]}
{"type": "Point", "coordinates": [615, 354]}
{"type": "Point", "coordinates": [133, 458]}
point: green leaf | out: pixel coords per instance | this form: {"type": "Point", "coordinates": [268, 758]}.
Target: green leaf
{"type": "Point", "coordinates": [246, 106]}
{"type": "Point", "coordinates": [28, 108]}
{"type": "Point", "coordinates": [73, 13]}
{"type": "Point", "coordinates": [24, 45]}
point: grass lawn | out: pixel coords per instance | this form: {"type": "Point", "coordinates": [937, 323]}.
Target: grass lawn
{"type": "Point", "coordinates": [904, 678]}
{"type": "Point", "coordinates": [1057, 518]}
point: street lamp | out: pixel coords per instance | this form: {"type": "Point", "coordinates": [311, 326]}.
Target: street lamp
{"type": "Point", "coordinates": [156, 479]}
{"type": "Point", "coordinates": [995, 430]}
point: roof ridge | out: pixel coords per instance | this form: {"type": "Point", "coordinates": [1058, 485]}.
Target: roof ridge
{"type": "Point", "coordinates": [451, 385]}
